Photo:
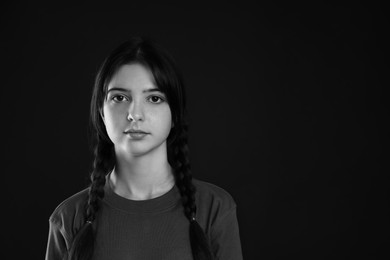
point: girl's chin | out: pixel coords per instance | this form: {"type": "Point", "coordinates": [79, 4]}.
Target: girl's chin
{"type": "Point", "coordinates": [138, 149]}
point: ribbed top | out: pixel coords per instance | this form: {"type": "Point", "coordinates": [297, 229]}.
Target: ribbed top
{"type": "Point", "coordinates": [159, 204]}
{"type": "Point", "coordinates": [155, 229]}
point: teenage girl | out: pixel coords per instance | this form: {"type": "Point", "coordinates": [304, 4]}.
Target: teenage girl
{"type": "Point", "coordinates": [142, 202]}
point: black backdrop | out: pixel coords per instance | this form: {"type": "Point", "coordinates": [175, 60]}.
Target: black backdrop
{"type": "Point", "coordinates": [286, 108]}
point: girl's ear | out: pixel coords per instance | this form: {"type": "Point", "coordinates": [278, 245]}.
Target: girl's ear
{"type": "Point", "coordinates": [102, 115]}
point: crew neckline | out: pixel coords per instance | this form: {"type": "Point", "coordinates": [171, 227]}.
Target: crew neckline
{"type": "Point", "coordinates": [162, 203]}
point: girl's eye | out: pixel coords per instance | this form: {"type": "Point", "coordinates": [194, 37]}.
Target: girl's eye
{"type": "Point", "coordinates": [155, 99]}
{"type": "Point", "coordinates": [119, 98]}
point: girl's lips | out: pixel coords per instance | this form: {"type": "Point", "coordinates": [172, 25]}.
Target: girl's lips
{"type": "Point", "coordinates": [134, 131]}
{"type": "Point", "coordinates": [136, 134]}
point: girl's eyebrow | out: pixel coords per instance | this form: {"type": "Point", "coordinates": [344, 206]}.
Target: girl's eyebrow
{"type": "Point", "coordinates": [117, 89]}
{"type": "Point", "coordinates": [127, 90]}
{"type": "Point", "coordinates": [151, 90]}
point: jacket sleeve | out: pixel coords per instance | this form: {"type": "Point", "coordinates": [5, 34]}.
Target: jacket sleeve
{"type": "Point", "coordinates": [56, 245]}
{"type": "Point", "coordinates": [225, 237]}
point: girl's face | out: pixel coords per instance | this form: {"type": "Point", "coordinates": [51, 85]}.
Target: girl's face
{"type": "Point", "coordinates": [135, 112]}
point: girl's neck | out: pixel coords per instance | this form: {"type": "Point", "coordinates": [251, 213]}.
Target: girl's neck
{"type": "Point", "coordinates": [143, 177]}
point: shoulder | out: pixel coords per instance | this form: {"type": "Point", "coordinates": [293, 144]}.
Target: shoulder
{"type": "Point", "coordinates": [216, 213]}
{"type": "Point", "coordinates": [69, 214]}
{"type": "Point", "coordinates": [212, 191]}
{"type": "Point", "coordinates": [215, 198]}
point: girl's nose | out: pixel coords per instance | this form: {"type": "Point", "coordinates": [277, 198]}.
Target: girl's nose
{"type": "Point", "coordinates": [135, 112]}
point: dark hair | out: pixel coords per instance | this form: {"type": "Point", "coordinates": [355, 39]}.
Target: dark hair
{"type": "Point", "coordinates": [168, 79]}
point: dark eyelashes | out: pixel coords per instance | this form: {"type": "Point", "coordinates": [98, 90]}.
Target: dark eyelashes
{"type": "Point", "coordinates": [115, 98]}
{"type": "Point", "coordinates": [161, 99]}
{"type": "Point", "coordinates": [125, 98]}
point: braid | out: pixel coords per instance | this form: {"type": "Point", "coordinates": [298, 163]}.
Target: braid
{"type": "Point", "coordinates": [180, 161]}
{"type": "Point", "coordinates": [184, 178]}
{"type": "Point", "coordinates": [102, 164]}
{"type": "Point", "coordinates": [83, 243]}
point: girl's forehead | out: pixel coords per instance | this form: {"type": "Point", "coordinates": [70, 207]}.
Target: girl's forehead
{"type": "Point", "coordinates": [132, 77]}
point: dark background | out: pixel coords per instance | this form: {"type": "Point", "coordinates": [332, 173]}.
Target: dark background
{"type": "Point", "coordinates": [286, 108]}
